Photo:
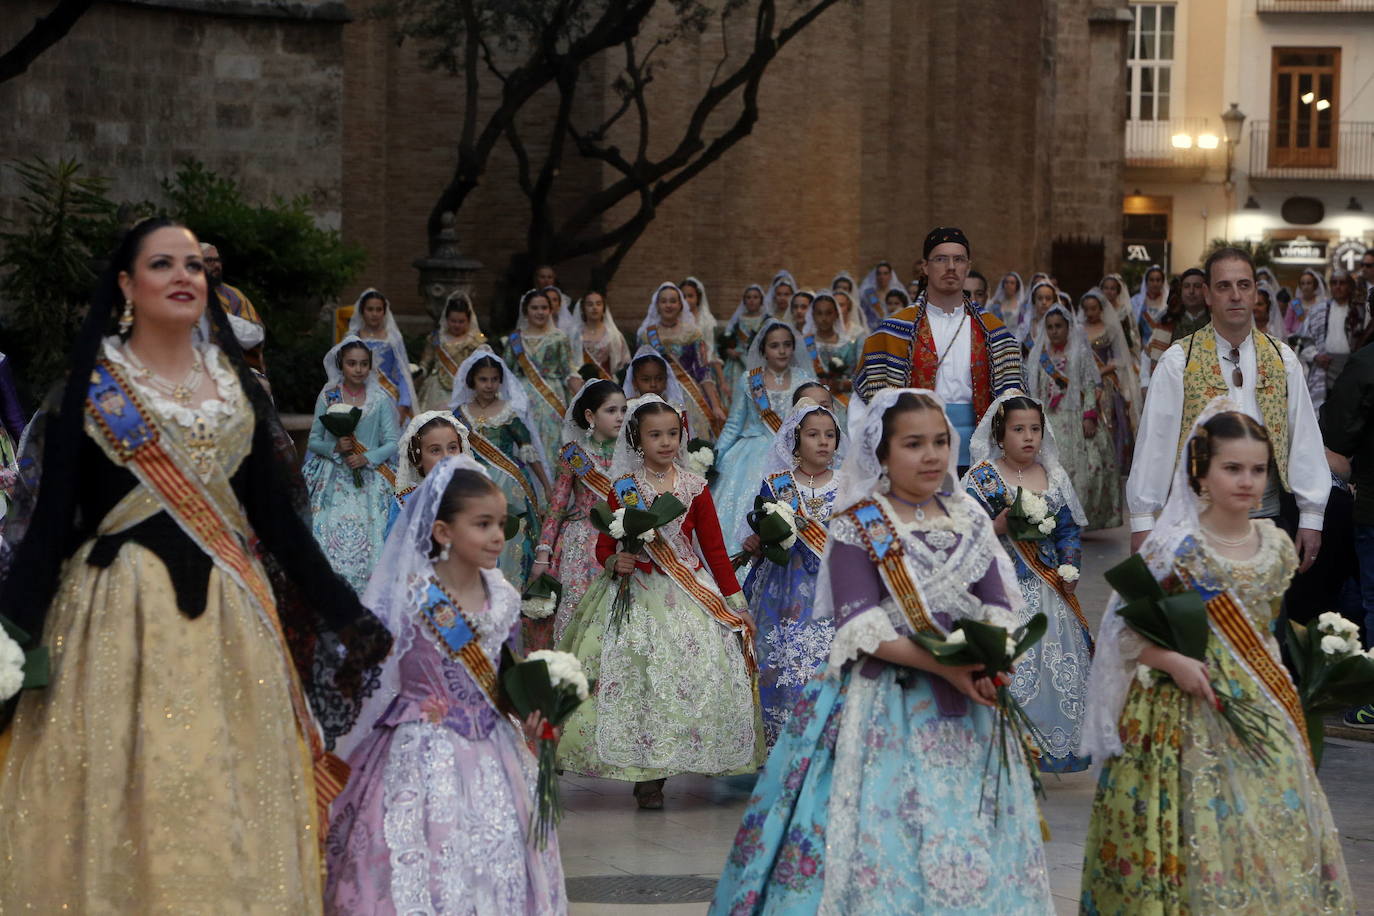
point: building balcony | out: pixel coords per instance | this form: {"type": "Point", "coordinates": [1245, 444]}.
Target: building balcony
{"type": "Point", "coordinates": [1174, 149]}
{"type": "Point", "coordinates": [1347, 154]}
{"type": "Point", "coordinates": [1315, 6]}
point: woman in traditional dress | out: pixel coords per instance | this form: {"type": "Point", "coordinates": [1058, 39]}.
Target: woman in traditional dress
{"type": "Point", "coordinates": [649, 373]}
{"type": "Point", "coordinates": [437, 812]}
{"type": "Point", "coordinates": [694, 294]}
{"type": "Point", "coordinates": [567, 543]}
{"type": "Point", "coordinates": [374, 324]}
{"type": "Point", "coordinates": [878, 797]}
{"type": "Point", "coordinates": [1150, 301]}
{"type": "Point", "coordinates": [1114, 287]}
{"type": "Point", "coordinates": [792, 641]}
{"type": "Point", "coordinates": [780, 293]}
{"type": "Point", "coordinates": [450, 343]}
{"type": "Point", "coordinates": [855, 326]}
{"type": "Point", "coordinates": [1043, 296]}
{"type": "Point", "coordinates": [670, 328]}
{"type": "Point", "coordinates": [1012, 450]}
{"type": "Point", "coordinates": [748, 317]}
{"type": "Point", "coordinates": [495, 408]}
{"type": "Point", "coordinates": [1062, 374]}
{"type": "Point", "coordinates": [351, 479]}
{"type": "Point", "coordinates": [1311, 293]}
{"type": "Point", "coordinates": [603, 346]}
{"type": "Point", "coordinates": [873, 292]}
{"type": "Point", "coordinates": [1186, 819]}
{"type": "Point", "coordinates": [1120, 401]}
{"type": "Point", "coordinates": [1330, 333]}
{"type": "Point", "coordinates": [1009, 300]}
{"type": "Point", "coordinates": [896, 300]}
{"type": "Point", "coordinates": [843, 282]}
{"type": "Point", "coordinates": [541, 355]}
{"type": "Point", "coordinates": [674, 681]}
{"type": "Point", "coordinates": [800, 307]}
{"type": "Point", "coordinates": [832, 350]}
{"type": "Point", "coordinates": [428, 439]}
{"type": "Point", "coordinates": [776, 365]}
{"type": "Point", "coordinates": [176, 760]}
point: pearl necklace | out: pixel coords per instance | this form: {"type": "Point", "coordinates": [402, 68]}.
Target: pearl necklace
{"type": "Point", "coordinates": [1229, 542]}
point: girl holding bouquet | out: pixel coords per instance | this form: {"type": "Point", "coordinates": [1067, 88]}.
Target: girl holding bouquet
{"type": "Point", "coordinates": [450, 343]}
{"type": "Point", "coordinates": [429, 438]}
{"type": "Point", "coordinates": [437, 809]}
{"type": "Point", "coordinates": [495, 408]}
{"type": "Point", "coordinates": [874, 798]}
{"type": "Point", "coordinates": [349, 478]}
{"type": "Point", "coordinates": [675, 691]}
{"type": "Point", "coordinates": [1014, 452]}
{"type": "Point", "coordinates": [792, 639]}
{"type": "Point", "coordinates": [541, 357]}
{"type": "Point", "coordinates": [777, 363]}
{"type": "Point", "coordinates": [373, 324]}
{"type": "Point", "coordinates": [567, 544]}
{"type": "Point", "coordinates": [1187, 818]}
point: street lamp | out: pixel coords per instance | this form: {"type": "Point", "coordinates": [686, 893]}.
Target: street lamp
{"type": "Point", "coordinates": [1233, 119]}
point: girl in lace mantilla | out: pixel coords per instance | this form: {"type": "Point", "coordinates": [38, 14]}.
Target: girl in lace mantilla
{"type": "Point", "coordinates": [1185, 819]}
{"type": "Point", "coordinates": [449, 344]}
{"type": "Point", "coordinates": [675, 690]}
{"type": "Point", "coordinates": [793, 639]}
{"type": "Point", "coordinates": [436, 811]}
{"type": "Point", "coordinates": [871, 801]}
{"type": "Point", "coordinates": [350, 519]}
{"type": "Point", "coordinates": [541, 354]}
{"type": "Point", "coordinates": [429, 438]}
{"type": "Point", "coordinates": [373, 323]}
{"type": "Point", "coordinates": [1012, 449]}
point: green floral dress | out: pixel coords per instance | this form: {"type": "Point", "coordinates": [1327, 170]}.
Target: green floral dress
{"type": "Point", "coordinates": [1184, 820]}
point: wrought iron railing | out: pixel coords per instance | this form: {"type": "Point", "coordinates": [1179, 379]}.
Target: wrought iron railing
{"type": "Point", "coordinates": [1315, 6]}
{"type": "Point", "coordinates": [1349, 155]}
{"type": "Point", "coordinates": [1151, 143]}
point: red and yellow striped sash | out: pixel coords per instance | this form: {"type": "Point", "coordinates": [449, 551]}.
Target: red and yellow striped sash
{"type": "Point", "coordinates": [595, 364]}
{"type": "Point", "coordinates": [684, 378]}
{"type": "Point", "coordinates": [667, 560]}
{"type": "Point", "coordinates": [532, 374]}
{"type": "Point", "coordinates": [499, 459]}
{"type": "Point", "coordinates": [1051, 578]}
{"type": "Point", "coordinates": [884, 548]}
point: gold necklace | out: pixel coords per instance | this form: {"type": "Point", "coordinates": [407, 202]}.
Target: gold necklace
{"type": "Point", "coordinates": [814, 503]}
{"type": "Point", "coordinates": [180, 392]}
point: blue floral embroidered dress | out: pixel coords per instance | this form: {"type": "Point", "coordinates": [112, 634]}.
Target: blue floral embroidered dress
{"type": "Point", "coordinates": [742, 451]}
{"type": "Point", "coordinates": [791, 643]}
{"type": "Point", "coordinates": [870, 802]}
{"type": "Point", "coordinates": [395, 366]}
{"type": "Point", "coordinates": [350, 521]}
{"type": "Point", "coordinates": [1051, 681]}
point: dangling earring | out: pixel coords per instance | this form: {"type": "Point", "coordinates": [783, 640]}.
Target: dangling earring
{"type": "Point", "coordinates": [443, 553]}
{"type": "Point", "coordinates": [884, 482]}
{"type": "Point", "coordinates": [1205, 495]}
{"type": "Point", "coordinates": [126, 317]}
{"type": "Point", "coordinates": [588, 434]}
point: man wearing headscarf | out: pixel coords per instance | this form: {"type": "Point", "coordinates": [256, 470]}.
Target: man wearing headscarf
{"type": "Point", "coordinates": [944, 342]}
{"type": "Point", "coordinates": [1192, 292]}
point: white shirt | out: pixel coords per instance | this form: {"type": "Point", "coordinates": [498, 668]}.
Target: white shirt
{"type": "Point", "coordinates": [1156, 448]}
{"type": "Point", "coordinates": [1336, 341]}
{"type": "Point", "coordinates": [954, 378]}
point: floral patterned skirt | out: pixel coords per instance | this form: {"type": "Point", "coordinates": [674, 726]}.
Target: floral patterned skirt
{"type": "Point", "coordinates": [672, 693]}
{"type": "Point", "coordinates": [1184, 821]}
{"type": "Point", "coordinates": [1091, 466]}
{"type": "Point", "coordinates": [349, 521]}
{"type": "Point", "coordinates": [1051, 682]}
{"type": "Point", "coordinates": [870, 803]}
{"type": "Point", "coordinates": [790, 644]}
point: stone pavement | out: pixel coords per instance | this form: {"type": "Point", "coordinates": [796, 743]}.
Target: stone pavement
{"type": "Point", "coordinates": [604, 835]}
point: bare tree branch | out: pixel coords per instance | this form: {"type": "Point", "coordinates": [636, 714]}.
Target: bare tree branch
{"type": "Point", "coordinates": [47, 31]}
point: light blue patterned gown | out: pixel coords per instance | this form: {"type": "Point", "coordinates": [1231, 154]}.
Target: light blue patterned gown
{"type": "Point", "coordinates": [790, 642]}
{"type": "Point", "coordinates": [742, 452]}
{"type": "Point", "coordinates": [395, 366]}
{"type": "Point", "coordinates": [350, 521]}
{"type": "Point", "coordinates": [870, 801]}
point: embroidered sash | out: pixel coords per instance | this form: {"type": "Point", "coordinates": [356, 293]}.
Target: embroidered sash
{"type": "Point", "coordinates": [1237, 632]}
{"type": "Point", "coordinates": [810, 531]}
{"type": "Point", "coordinates": [531, 372]}
{"type": "Point", "coordinates": [884, 548]}
{"type": "Point", "coordinates": [383, 379]}
{"type": "Point", "coordinates": [498, 459]}
{"type": "Point", "coordinates": [333, 396]}
{"type": "Point", "coordinates": [456, 637]}
{"type": "Point", "coordinates": [666, 558]}
{"type": "Point", "coordinates": [585, 469]}
{"type": "Point", "coordinates": [445, 360]}
{"type": "Point", "coordinates": [595, 363]}
{"type": "Point", "coordinates": [124, 427]}
{"type": "Point", "coordinates": [684, 378]}
{"type": "Point", "coordinates": [758, 393]}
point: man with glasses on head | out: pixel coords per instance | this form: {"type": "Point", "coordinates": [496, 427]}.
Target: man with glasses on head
{"type": "Point", "coordinates": [943, 342]}
{"type": "Point", "coordinates": [1261, 374]}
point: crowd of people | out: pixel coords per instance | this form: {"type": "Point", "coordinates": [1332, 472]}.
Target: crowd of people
{"type": "Point", "coordinates": [264, 668]}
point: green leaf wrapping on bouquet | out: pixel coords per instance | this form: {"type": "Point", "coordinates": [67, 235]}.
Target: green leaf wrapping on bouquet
{"type": "Point", "coordinates": [1327, 683]}
{"type": "Point", "coordinates": [772, 530]}
{"type": "Point", "coordinates": [1177, 622]}
{"type": "Point", "coordinates": [512, 525]}
{"type": "Point", "coordinates": [588, 372]}
{"type": "Point", "coordinates": [37, 669]}
{"type": "Point", "coordinates": [1019, 525]}
{"type": "Point", "coordinates": [544, 586]}
{"type": "Point", "coordinates": [341, 424]}
{"type": "Point", "coordinates": [697, 443]}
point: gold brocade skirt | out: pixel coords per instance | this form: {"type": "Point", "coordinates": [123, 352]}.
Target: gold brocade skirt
{"type": "Point", "coordinates": [161, 770]}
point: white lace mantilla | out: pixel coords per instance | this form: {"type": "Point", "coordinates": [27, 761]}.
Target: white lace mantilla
{"type": "Point", "coordinates": [185, 415]}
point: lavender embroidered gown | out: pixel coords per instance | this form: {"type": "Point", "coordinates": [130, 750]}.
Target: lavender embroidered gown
{"type": "Point", "coordinates": [434, 816]}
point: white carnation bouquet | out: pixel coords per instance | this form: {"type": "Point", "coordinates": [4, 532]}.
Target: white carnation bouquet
{"type": "Point", "coordinates": [1334, 672]}
{"type": "Point", "coordinates": [775, 523]}
{"type": "Point", "coordinates": [1030, 518]}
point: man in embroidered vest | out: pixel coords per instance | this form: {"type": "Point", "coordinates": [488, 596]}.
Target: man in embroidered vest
{"type": "Point", "coordinates": [943, 342]}
{"type": "Point", "coordinates": [1261, 374]}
